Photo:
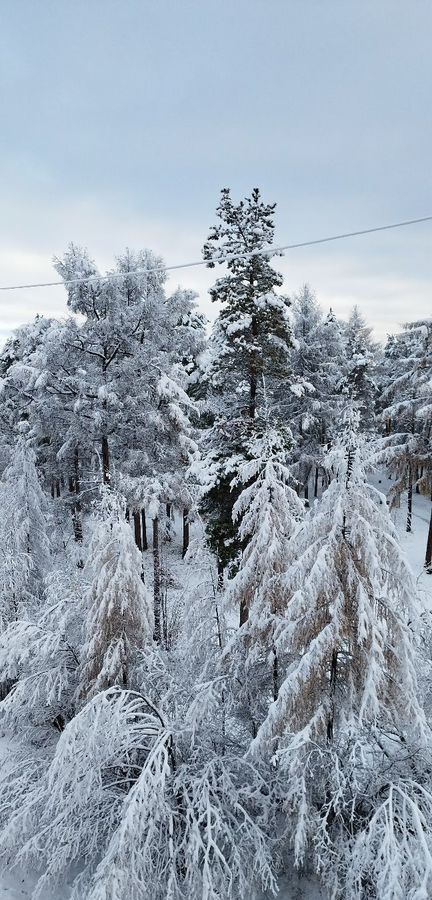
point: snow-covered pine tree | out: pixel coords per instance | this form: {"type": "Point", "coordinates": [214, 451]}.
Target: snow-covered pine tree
{"type": "Point", "coordinates": [269, 511]}
{"type": "Point", "coordinates": [313, 403]}
{"type": "Point", "coordinates": [408, 416]}
{"type": "Point", "coordinates": [120, 616]}
{"type": "Point", "coordinates": [160, 470]}
{"type": "Point", "coordinates": [15, 400]}
{"type": "Point", "coordinates": [63, 424]}
{"type": "Point", "coordinates": [255, 330]}
{"type": "Point", "coordinates": [359, 370]}
{"type": "Point", "coordinates": [24, 543]}
{"type": "Point", "coordinates": [138, 348]}
{"type": "Point", "coordinates": [250, 343]}
{"type": "Point", "coordinates": [39, 663]}
{"type": "Point", "coordinates": [346, 726]}
{"type": "Point", "coordinates": [111, 345]}
{"type": "Point", "coordinates": [106, 393]}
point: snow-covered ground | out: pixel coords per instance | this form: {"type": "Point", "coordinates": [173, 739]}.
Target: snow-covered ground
{"type": "Point", "coordinates": [298, 889]}
{"type": "Point", "coordinates": [414, 543]}
{"type": "Point", "coordinates": [16, 887]}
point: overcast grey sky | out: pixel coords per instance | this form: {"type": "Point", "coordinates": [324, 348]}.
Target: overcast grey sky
{"type": "Point", "coordinates": [121, 121]}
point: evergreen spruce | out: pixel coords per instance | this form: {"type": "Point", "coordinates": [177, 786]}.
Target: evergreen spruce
{"type": "Point", "coordinates": [250, 349]}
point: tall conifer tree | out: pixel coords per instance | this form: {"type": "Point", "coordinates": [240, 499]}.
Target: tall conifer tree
{"type": "Point", "coordinates": [249, 350]}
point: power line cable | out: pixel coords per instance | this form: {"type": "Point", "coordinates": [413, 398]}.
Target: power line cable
{"type": "Point", "coordinates": [216, 260]}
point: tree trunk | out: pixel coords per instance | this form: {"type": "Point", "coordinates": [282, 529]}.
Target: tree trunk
{"type": "Point", "coordinates": [167, 536]}
{"type": "Point", "coordinates": [106, 476]}
{"type": "Point", "coordinates": [185, 532]}
{"type": "Point", "coordinates": [316, 482]}
{"type": "Point", "coordinates": [410, 499]}
{"type": "Point", "coordinates": [223, 697]}
{"type": "Point", "coordinates": [244, 612]}
{"type": "Point", "coordinates": [220, 575]}
{"type": "Point", "coordinates": [144, 530]}
{"type": "Point", "coordinates": [156, 582]}
{"type": "Point", "coordinates": [333, 675]}
{"type": "Point", "coordinates": [428, 560]}
{"type": "Point", "coordinates": [275, 674]}
{"type": "Point", "coordinates": [137, 529]}
{"type": "Point", "coordinates": [76, 515]}
{"type": "Point", "coordinates": [253, 375]}
{"type": "Point", "coordinates": [164, 616]}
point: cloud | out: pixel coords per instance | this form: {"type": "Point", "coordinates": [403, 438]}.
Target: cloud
{"type": "Point", "coordinates": [122, 132]}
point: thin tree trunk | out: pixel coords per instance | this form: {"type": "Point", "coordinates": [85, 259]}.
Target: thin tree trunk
{"type": "Point", "coordinates": [316, 482]}
{"type": "Point", "coordinates": [253, 377]}
{"type": "Point", "coordinates": [244, 612]}
{"type": "Point", "coordinates": [144, 530]}
{"type": "Point", "coordinates": [106, 475]}
{"type": "Point", "coordinates": [220, 575]}
{"type": "Point", "coordinates": [167, 537]}
{"type": "Point", "coordinates": [164, 611]}
{"type": "Point", "coordinates": [428, 560]}
{"type": "Point", "coordinates": [156, 582]}
{"type": "Point", "coordinates": [275, 674]}
{"type": "Point", "coordinates": [185, 532]}
{"type": "Point", "coordinates": [76, 515]}
{"type": "Point", "coordinates": [410, 499]}
{"type": "Point", "coordinates": [137, 529]}
{"type": "Point", "coordinates": [333, 675]}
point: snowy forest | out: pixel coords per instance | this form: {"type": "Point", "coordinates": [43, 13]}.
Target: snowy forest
{"type": "Point", "coordinates": [215, 653]}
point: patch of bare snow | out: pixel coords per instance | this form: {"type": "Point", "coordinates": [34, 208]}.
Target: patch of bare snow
{"type": "Point", "coordinates": [414, 542]}
{"type": "Point", "coordinates": [298, 887]}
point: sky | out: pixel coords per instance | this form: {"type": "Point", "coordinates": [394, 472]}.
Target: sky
{"type": "Point", "coordinates": [121, 120]}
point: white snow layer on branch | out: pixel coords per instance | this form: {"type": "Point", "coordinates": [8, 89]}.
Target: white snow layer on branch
{"type": "Point", "coordinates": [117, 794]}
